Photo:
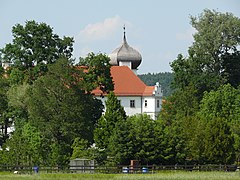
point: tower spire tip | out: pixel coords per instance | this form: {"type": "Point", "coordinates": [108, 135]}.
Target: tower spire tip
{"type": "Point", "coordinates": [124, 34]}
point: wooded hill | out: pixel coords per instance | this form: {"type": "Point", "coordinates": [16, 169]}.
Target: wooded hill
{"type": "Point", "coordinates": [164, 78]}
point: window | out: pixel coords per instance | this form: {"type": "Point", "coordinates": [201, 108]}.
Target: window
{"type": "Point", "coordinates": [145, 103]}
{"type": "Point", "coordinates": [158, 103]}
{"type": "Point", "coordinates": [132, 103]}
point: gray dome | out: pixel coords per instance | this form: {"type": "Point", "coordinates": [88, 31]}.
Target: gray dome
{"type": "Point", "coordinates": [125, 53]}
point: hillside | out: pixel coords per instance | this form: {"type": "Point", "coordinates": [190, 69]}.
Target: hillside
{"type": "Point", "coordinates": [165, 79]}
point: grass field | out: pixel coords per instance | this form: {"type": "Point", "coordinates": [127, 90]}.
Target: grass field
{"type": "Point", "coordinates": [170, 175]}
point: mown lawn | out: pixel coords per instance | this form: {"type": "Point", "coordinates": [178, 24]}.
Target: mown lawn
{"type": "Point", "coordinates": [170, 175]}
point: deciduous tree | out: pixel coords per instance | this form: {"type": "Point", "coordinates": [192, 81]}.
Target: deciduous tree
{"type": "Point", "coordinates": [35, 45]}
{"type": "Point", "coordinates": [216, 41]}
{"type": "Point", "coordinates": [59, 107]}
{"type": "Point", "coordinates": [97, 73]}
{"type": "Point", "coordinates": [4, 120]}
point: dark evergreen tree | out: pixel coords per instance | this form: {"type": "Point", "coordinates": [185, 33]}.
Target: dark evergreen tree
{"type": "Point", "coordinates": [133, 139]}
{"type": "Point", "coordinates": [106, 124]}
{"type": "Point", "coordinates": [219, 142]}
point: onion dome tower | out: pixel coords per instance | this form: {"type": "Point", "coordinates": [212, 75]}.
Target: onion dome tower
{"type": "Point", "coordinates": [125, 55]}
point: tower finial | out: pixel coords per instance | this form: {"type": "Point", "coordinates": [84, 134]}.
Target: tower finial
{"type": "Point", "coordinates": [124, 34]}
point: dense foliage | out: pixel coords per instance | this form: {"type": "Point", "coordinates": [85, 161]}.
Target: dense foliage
{"type": "Point", "coordinates": [53, 108]}
{"type": "Point", "coordinates": [206, 99]}
{"type": "Point", "coordinates": [57, 111]}
{"type": "Point", "coordinates": [106, 124]}
{"type": "Point", "coordinates": [34, 46]}
{"type": "Point", "coordinates": [4, 120]}
{"type": "Point", "coordinates": [214, 56]}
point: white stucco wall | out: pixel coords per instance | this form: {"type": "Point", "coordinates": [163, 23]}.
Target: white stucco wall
{"type": "Point", "coordinates": [125, 102]}
{"type": "Point", "coordinates": [151, 108]}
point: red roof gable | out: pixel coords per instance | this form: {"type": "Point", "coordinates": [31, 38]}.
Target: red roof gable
{"type": "Point", "coordinates": [127, 83]}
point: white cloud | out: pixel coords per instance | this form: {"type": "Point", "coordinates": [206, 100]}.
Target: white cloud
{"type": "Point", "coordinates": [101, 30]}
{"type": "Point", "coordinates": [83, 52]}
{"type": "Point", "coordinates": [99, 36]}
{"type": "Point", "coordinates": [187, 35]}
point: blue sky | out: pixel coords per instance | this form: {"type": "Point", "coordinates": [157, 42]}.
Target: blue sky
{"type": "Point", "coordinates": [158, 29]}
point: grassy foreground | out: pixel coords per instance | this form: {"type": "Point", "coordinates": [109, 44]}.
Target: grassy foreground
{"type": "Point", "coordinates": [170, 175]}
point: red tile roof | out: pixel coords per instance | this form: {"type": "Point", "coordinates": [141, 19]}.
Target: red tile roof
{"type": "Point", "coordinates": [127, 83]}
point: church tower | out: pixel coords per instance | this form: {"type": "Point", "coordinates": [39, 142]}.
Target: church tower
{"type": "Point", "coordinates": [125, 55]}
{"type": "Point", "coordinates": [134, 95]}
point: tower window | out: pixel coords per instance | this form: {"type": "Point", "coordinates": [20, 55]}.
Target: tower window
{"type": "Point", "coordinates": [132, 103]}
{"type": "Point", "coordinates": [158, 103]}
{"type": "Point", "coordinates": [145, 103]}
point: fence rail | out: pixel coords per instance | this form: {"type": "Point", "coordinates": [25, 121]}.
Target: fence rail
{"type": "Point", "coordinates": [117, 169]}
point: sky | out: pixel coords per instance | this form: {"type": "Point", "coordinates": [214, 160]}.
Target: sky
{"type": "Point", "coordinates": [158, 29]}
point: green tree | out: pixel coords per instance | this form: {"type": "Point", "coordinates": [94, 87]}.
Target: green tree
{"type": "Point", "coordinates": [143, 128]}
{"type": "Point", "coordinates": [97, 73]}
{"type": "Point", "coordinates": [106, 124]}
{"type": "Point", "coordinates": [35, 45]}
{"type": "Point", "coordinates": [193, 130]}
{"type": "Point", "coordinates": [177, 125]}
{"type": "Point", "coordinates": [224, 104]}
{"type": "Point", "coordinates": [217, 36]}
{"type": "Point", "coordinates": [220, 103]}
{"type": "Point", "coordinates": [133, 139]}
{"type": "Point", "coordinates": [211, 63]}
{"type": "Point", "coordinates": [24, 147]}
{"type": "Point", "coordinates": [173, 133]}
{"type": "Point", "coordinates": [58, 106]}
{"type": "Point", "coordinates": [16, 76]}
{"type": "Point", "coordinates": [219, 142]}
{"type": "Point", "coordinates": [80, 148]}
{"type": "Point", "coordinates": [61, 110]}
{"type": "Point", "coordinates": [1, 69]}
{"type": "Point", "coordinates": [162, 148]}
{"type": "Point", "coordinates": [4, 120]}
{"type": "Point", "coordinates": [231, 66]}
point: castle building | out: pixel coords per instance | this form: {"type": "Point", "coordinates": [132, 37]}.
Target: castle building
{"type": "Point", "coordinates": [134, 95]}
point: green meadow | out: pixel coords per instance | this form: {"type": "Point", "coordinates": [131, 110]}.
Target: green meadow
{"type": "Point", "coordinates": [169, 175]}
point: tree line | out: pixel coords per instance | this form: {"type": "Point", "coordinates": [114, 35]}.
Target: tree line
{"type": "Point", "coordinates": [48, 101]}
{"type": "Point", "coordinates": [164, 78]}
